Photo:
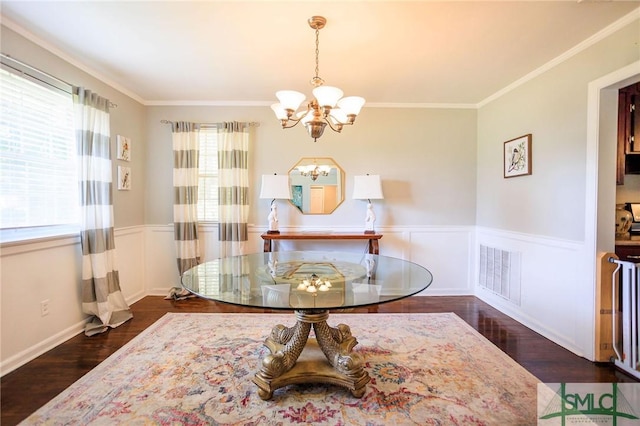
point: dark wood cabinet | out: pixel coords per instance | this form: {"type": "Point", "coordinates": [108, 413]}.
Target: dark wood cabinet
{"type": "Point", "coordinates": [628, 153]}
{"type": "Point", "coordinates": [630, 253]}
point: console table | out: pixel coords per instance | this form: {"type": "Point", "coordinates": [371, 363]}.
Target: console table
{"type": "Point", "coordinates": [373, 238]}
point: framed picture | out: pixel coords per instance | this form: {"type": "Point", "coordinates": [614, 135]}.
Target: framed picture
{"type": "Point", "coordinates": [124, 178]}
{"type": "Point", "coordinates": [124, 148]}
{"type": "Point", "coordinates": [517, 156]}
{"type": "Point", "coordinates": [296, 196]}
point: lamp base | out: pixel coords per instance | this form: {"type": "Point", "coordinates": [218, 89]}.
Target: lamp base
{"type": "Point", "coordinates": [370, 232]}
{"type": "Point", "coordinates": [273, 232]}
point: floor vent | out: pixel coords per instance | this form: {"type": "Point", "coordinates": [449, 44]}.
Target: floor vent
{"type": "Point", "coordinates": [499, 272]}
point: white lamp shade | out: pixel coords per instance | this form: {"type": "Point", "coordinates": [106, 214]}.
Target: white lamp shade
{"type": "Point", "coordinates": [325, 169]}
{"type": "Point", "coordinates": [338, 116]}
{"type": "Point", "coordinates": [281, 113]}
{"type": "Point", "coordinates": [290, 99]}
{"type": "Point", "coordinates": [307, 117]}
{"type": "Point", "coordinates": [368, 187]}
{"type": "Point", "coordinates": [351, 104]}
{"type": "Point", "coordinates": [275, 187]}
{"type": "Point", "coordinates": [327, 95]}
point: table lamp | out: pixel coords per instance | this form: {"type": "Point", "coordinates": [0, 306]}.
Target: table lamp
{"type": "Point", "coordinates": [368, 188]}
{"type": "Point", "coordinates": [275, 187]}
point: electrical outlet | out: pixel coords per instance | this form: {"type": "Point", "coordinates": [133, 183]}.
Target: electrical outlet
{"type": "Point", "coordinates": [44, 308]}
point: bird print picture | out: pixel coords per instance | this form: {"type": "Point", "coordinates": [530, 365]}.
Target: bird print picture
{"type": "Point", "coordinates": [517, 156]}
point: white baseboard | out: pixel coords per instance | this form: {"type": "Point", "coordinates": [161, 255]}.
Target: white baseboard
{"type": "Point", "coordinates": [556, 299]}
{"type": "Point", "coordinates": [35, 351]}
{"type": "Point", "coordinates": [530, 322]}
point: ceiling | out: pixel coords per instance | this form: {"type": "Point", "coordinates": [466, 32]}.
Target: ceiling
{"type": "Point", "coordinates": [241, 52]}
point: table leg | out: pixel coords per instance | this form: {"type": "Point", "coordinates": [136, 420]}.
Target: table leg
{"type": "Point", "coordinates": [266, 246]}
{"type": "Point", "coordinates": [295, 358]}
{"type": "Point", "coordinates": [374, 247]}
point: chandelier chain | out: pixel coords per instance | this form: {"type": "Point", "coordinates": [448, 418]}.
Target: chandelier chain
{"type": "Point", "coordinates": [317, 53]}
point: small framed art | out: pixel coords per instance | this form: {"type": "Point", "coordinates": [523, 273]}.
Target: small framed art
{"type": "Point", "coordinates": [124, 178]}
{"type": "Point", "coordinates": [124, 148]}
{"type": "Point", "coordinates": [296, 196]}
{"type": "Point", "coordinates": [517, 156]}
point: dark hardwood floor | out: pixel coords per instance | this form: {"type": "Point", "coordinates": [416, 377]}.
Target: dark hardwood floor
{"type": "Point", "coordinates": [29, 387]}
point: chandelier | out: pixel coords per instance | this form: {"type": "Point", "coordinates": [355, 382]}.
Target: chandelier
{"type": "Point", "coordinates": [328, 105]}
{"type": "Point", "coordinates": [313, 284]}
{"type": "Point", "coordinates": [314, 171]}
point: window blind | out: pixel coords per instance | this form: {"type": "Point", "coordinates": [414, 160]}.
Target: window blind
{"type": "Point", "coordinates": [38, 173]}
{"type": "Point", "coordinates": [208, 175]}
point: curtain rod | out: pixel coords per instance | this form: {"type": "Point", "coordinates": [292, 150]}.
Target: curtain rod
{"type": "Point", "coordinates": [251, 123]}
{"type": "Point", "coordinates": [41, 76]}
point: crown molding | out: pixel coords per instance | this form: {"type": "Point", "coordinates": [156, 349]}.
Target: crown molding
{"type": "Point", "coordinates": [585, 44]}
{"type": "Point", "coordinates": [62, 55]}
{"type": "Point", "coordinates": [600, 35]}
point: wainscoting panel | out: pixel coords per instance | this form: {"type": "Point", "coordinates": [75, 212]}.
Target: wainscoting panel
{"type": "Point", "coordinates": [50, 270]}
{"type": "Point", "coordinates": [554, 298]}
{"type": "Point", "coordinates": [445, 251]}
{"type": "Point", "coordinates": [131, 253]}
{"type": "Point", "coordinates": [33, 272]}
{"type": "Point", "coordinates": [161, 268]}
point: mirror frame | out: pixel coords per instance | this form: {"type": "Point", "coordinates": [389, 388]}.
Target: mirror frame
{"type": "Point", "coordinates": [304, 161]}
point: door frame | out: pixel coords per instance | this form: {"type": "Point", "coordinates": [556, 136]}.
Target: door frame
{"type": "Point", "coordinates": [599, 229]}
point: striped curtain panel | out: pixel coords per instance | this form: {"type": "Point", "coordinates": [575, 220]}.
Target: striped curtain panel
{"type": "Point", "coordinates": [234, 277]}
{"type": "Point", "coordinates": [185, 194]}
{"type": "Point", "coordinates": [101, 294]}
{"type": "Point", "coordinates": [233, 187]}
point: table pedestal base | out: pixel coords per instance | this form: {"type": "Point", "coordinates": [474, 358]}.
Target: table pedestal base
{"type": "Point", "coordinates": [295, 358]}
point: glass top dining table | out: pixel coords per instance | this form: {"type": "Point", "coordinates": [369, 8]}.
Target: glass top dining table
{"type": "Point", "coordinates": [309, 283]}
{"type": "Point", "coordinates": [306, 280]}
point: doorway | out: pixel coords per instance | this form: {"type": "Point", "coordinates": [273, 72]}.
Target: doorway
{"type": "Point", "coordinates": [316, 199]}
{"type": "Point", "coordinates": [600, 193]}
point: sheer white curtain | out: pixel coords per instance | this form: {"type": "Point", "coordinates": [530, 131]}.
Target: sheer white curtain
{"type": "Point", "coordinates": [185, 194]}
{"type": "Point", "coordinates": [101, 293]}
{"type": "Point", "coordinates": [233, 169]}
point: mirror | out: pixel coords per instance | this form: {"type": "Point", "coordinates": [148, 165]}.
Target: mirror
{"type": "Point", "coordinates": [317, 185]}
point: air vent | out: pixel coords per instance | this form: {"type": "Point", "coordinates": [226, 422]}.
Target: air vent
{"type": "Point", "coordinates": [499, 272]}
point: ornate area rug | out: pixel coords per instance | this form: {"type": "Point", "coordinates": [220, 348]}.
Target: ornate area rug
{"type": "Point", "coordinates": [196, 369]}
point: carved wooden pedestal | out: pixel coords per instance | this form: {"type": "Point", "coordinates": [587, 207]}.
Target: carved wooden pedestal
{"type": "Point", "coordinates": [295, 358]}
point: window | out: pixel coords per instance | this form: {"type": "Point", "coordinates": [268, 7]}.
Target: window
{"type": "Point", "coordinates": [208, 175]}
{"type": "Point", "coordinates": [38, 173]}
